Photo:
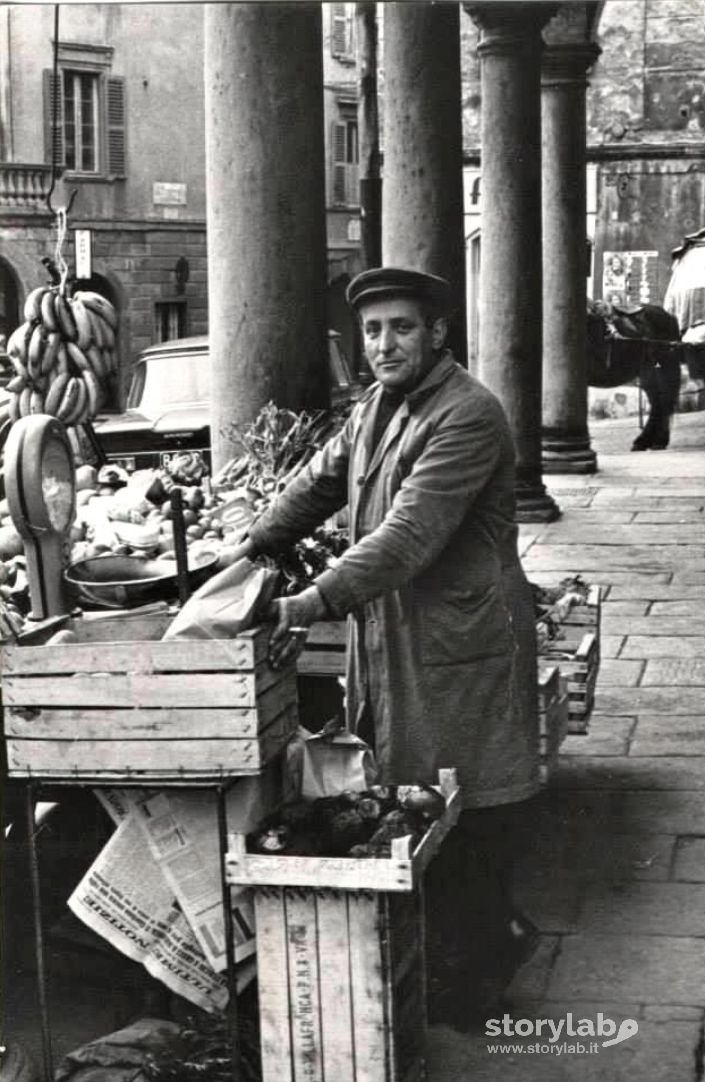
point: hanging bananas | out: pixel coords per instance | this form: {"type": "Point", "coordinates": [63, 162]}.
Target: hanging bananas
{"type": "Point", "coordinates": [63, 355]}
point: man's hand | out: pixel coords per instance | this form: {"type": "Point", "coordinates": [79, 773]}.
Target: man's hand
{"type": "Point", "coordinates": [293, 616]}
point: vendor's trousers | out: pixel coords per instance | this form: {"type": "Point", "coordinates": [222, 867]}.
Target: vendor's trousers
{"type": "Point", "coordinates": [475, 935]}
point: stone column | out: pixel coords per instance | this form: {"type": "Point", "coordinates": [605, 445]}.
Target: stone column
{"type": "Point", "coordinates": [566, 440]}
{"type": "Point", "coordinates": [510, 281]}
{"type": "Point", "coordinates": [265, 212]}
{"type": "Point", "coordinates": [422, 192]}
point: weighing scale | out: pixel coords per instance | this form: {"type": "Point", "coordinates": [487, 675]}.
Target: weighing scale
{"type": "Point", "coordinates": [40, 486]}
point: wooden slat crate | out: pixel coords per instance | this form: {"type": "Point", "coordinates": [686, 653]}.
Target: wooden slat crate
{"type": "Point", "coordinates": [578, 658]}
{"type": "Point", "coordinates": [586, 615]}
{"type": "Point", "coordinates": [120, 705]}
{"type": "Point", "coordinates": [553, 718]}
{"type": "Point", "coordinates": [340, 958]}
{"type": "Point", "coordinates": [341, 985]}
{"type": "Point", "coordinates": [400, 872]}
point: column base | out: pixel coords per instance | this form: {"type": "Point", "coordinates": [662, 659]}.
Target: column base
{"type": "Point", "coordinates": [535, 504]}
{"type": "Point", "coordinates": [567, 454]}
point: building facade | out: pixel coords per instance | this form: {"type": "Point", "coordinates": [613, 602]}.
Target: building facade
{"type": "Point", "coordinates": [122, 121]}
{"type": "Point", "coordinates": [646, 149]}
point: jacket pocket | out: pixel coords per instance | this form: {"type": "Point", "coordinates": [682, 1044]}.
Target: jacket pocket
{"type": "Point", "coordinates": [462, 627]}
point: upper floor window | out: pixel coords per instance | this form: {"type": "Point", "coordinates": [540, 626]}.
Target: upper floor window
{"type": "Point", "coordinates": [84, 113]}
{"type": "Point", "coordinates": [342, 33]}
{"type": "Point", "coordinates": [345, 179]}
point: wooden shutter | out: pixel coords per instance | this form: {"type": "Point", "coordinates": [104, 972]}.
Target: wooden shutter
{"type": "Point", "coordinates": [53, 136]}
{"type": "Point", "coordinates": [115, 134]}
{"type": "Point", "coordinates": [339, 30]}
{"type": "Point", "coordinates": [340, 169]}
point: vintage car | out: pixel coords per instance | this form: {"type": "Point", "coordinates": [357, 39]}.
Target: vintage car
{"type": "Point", "coordinates": [168, 403]}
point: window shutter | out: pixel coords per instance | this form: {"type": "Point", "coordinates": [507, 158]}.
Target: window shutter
{"type": "Point", "coordinates": [339, 28]}
{"type": "Point", "coordinates": [53, 136]}
{"type": "Point", "coordinates": [339, 166]}
{"type": "Point", "coordinates": [115, 112]}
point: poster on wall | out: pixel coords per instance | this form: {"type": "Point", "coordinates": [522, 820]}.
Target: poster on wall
{"type": "Point", "coordinates": [629, 277]}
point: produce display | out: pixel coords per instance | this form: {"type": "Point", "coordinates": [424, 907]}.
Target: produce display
{"type": "Point", "coordinates": [63, 355]}
{"type": "Point", "coordinates": [355, 824]}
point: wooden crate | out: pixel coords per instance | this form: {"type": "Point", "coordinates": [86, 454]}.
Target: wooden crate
{"type": "Point", "coordinates": [553, 718]}
{"type": "Point", "coordinates": [121, 706]}
{"type": "Point", "coordinates": [324, 653]}
{"type": "Point", "coordinates": [340, 958]}
{"type": "Point", "coordinates": [578, 658]}
{"type": "Point", "coordinates": [586, 615]}
{"type": "Point", "coordinates": [341, 980]}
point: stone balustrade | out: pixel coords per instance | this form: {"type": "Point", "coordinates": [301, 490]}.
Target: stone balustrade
{"type": "Point", "coordinates": [23, 185]}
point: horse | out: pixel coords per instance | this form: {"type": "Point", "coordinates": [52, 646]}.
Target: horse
{"type": "Point", "coordinates": [641, 342]}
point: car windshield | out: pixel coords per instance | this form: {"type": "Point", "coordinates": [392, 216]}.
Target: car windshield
{"type": "Point", "coordinates": [158, 383]}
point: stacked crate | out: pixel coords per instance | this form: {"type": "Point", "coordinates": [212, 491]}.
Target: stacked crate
{"type": "Point", "coordinates": [341, 968]}
{"type": "Point", "coordinates": [553, 717]}
{"type": "Point", "coordinates": [576, 651]}
{"type": "Point", "coordinates": [117, 705]}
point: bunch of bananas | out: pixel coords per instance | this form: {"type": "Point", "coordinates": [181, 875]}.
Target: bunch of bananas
{"type": "Point", "coordinates": [63, 355]}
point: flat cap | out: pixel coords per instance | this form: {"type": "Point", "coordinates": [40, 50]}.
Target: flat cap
{"type": "Point", "coordinates": [381, 282]}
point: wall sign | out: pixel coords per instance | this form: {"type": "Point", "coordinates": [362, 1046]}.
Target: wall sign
{"type": "Point", "coordinates": [84, 255]}
{"type": "Point", "coordinates": [168, 194]}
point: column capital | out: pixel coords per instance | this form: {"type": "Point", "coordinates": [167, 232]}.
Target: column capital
{"type": "Point", "coordinates": [564, 63]}
{"type": "Point", "coordinates": [509, 26]}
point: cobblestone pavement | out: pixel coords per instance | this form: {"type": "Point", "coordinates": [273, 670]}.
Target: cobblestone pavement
{"type": "Point", "coordinates": [616, 875]}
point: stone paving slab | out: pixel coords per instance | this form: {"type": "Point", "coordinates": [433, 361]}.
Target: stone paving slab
{"type": "Point", "coordinates": [616, 672]}
{"type": "Point", "coordinates": [638, 907]}
{"type": "Point", "coordinates": [683, 672]}
{"type": "Point", "coordinates": [688, 606]}
{"type": "Point", "coordinates": [650, 969]}
{"type": "Point", "coordinates": [630, 607]}
{"type": "Point", "coordinates": [672, 516]}
{"type": "Point", "coordinates": [559, 907]}
{"type": "Point", "coordinates": [640, 770]}
{"type": "Point", "coordinates": [604, 559]}
{"type": "Point", "coordinates": [585, 857]}
{"type": "Point", "coordinates": [687, 577]}
{"type": "Point", "coordinates": [574, 530]}
{"type": "Point", "coordinates": [626, 499]}
{"type": "Point", "coordinates": [648, 811]}
{"type": "Point", "coordinates": [662, 812]}
{"type": "Point", "coordinates": [611, 645]}
{"type": "Point", "coordinates": [660, 646]}
{"type": "Point", "coordinates": [657, 700]}
{"type": "Point", "coordinates": [642, 587]}
{"type": "Point", "coordinates": [659, 1052]}
{"type": "Point", "coordinates": [656, 625]}
{"type": "Point", "coordinates": [689, 860]}
{"type": "Point", "coordinates": [638, 574]}
{"type": "Point", "coordinates": [681, 735]}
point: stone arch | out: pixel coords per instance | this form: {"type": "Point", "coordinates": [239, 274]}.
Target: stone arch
{"type": "Point", "coordinates": [10, 309]}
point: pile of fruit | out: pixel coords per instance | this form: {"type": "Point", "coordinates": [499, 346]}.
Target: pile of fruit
{"type": "Point", "coordinates": [63, 355]}
{"type": "Point", "coordinates": [355, 824]}
{"type": "Point", "coordinates": [132, 515]}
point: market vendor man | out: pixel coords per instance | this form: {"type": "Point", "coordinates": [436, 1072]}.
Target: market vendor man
{"type": "Point", "coordinates": [441, 651]}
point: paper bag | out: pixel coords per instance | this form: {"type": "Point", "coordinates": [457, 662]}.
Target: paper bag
{"type": "Point", "coordinates": [232, 601]}
{"type": "Point", "coordinates": [327, 763]}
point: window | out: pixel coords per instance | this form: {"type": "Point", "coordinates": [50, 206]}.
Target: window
{"type": "Point", "coordinates": [345, 173]}
{"type": "Point", "coordinates": [84, 113]}
{"type": "Point", "coordinates": [80, 121]}
{"type": "Point", "coordinates": [170, 320]}
{"type": "Point", "coordinates": [342, 32]}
